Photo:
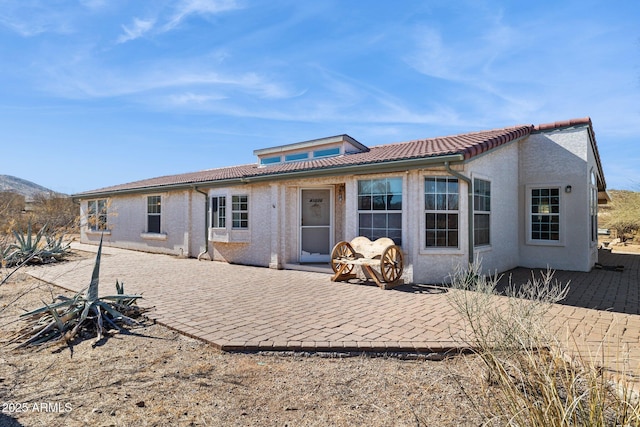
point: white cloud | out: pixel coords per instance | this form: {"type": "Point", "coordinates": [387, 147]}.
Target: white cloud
{"type": "Point", "coordinates": [193, 99]}
{"type": "Point", "coordinates": [187, 8]}
{"type": "Point", "coordinates": [136, 30]}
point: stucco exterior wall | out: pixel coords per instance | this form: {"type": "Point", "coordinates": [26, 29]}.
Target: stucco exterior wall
{"type": "Point", "coordinates": [127, 224]}
{"type": "Point", "coordinates": [253, 245]}
{"type": "Point", "coordinates": [549, 160]}
{"type": "Point", "coordinates": [435, 265]}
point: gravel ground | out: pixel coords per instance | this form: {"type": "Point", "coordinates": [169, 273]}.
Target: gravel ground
{"type": "Point", "coordinates": [154, 376]}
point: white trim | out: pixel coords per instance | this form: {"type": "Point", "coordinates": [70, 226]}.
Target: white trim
{"type": "Point", "coordinates": [91, 232]}
{"type": "Point", "coordinates": [146, 216]}
{"type": "Point", "coordinates": [562, 214]}
{"type": "Point", "coordinates": [482, 177]}
{"type": "Point", "coordinates": [433, 250]}
{"type": "Point", "coordinates": [316, 257]}
{"type": "Point", "coordinates": [154, 236]}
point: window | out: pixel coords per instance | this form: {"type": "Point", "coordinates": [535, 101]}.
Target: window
{"type": "Point", "coordinates": [296, 156]}
{"type": "Point", "coordinates": [327, 152]}
{"type": "Point", "coordinates": [380, 208]}
{"type": "Point", "coordinates": [97, 215]}
{"type": "Point", "coordinates": [153, 214]}
{"type": "Point", "coordinates": [240, 212]}
{"type": "Point", "coordinates": [270, 160]}
{"type": "Point", "coordinates": [545, 214]}
{"type": "Point", "coordinates": [441, 204]}
{"type": "Point", "coordinates": [481, 212]}
{"type": "Point", "coordinates": [219, 212]}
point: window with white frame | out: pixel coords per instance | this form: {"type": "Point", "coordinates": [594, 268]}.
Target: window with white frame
{"type": "Point", "coordinates": [481, 212]}
{"type": "Point", "coordinates": [545, 214]}
{"type": "Point", "coordinates": [441, 203]}
{"type": "Point", "coordinates": [219, 212]}
{"type": "Point", "coordinates": [154, 210]}
{"type": "Point", "coordinates": [380, 208]}
{"type": "Point", "coordinates": [240, 212]}
{"type": "Point", "coordinates": [97, 215]}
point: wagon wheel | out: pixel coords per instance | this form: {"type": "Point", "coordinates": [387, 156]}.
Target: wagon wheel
{"type": "Point", "coordinates": [340, 251]}
{"type": "Point", "coordinates": [391, 264]}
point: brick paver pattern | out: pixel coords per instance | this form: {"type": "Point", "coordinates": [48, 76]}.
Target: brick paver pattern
{"type": "Point", "coordinates": [238, 307]}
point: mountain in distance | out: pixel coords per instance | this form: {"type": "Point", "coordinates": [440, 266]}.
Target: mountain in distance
{"type": "Point", "coordinates": [23, 187]}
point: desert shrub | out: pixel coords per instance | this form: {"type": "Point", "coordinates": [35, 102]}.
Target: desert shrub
{"type": "Point", "coordinates": [58, 212]}
{"type": "Point", "coordinates": [11, 207]}
{"type": "Point", "coordinates": [622, 214]}
{"type": "Point", "coordinates": [531, 383]}
{"type": "Point", "coordinates": [29, 248]}
{"type": "Point", "coordinates": [86, 314]}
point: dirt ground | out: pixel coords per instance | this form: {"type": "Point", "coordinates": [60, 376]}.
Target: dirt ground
{"type": "Point", "coordinates": [154, 376]}
{"type": "Point", "coordinates": [619, 247]}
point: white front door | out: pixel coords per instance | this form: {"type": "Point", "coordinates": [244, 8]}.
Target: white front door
{"type": "Point", "coordinates": [315, 225]}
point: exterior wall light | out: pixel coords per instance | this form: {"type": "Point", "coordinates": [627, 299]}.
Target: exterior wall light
{"type": "Point", "coordinates": [567, 189]}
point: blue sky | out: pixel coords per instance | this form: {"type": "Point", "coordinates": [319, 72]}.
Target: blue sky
{"type": "Point", "coordinates": [103, 92]}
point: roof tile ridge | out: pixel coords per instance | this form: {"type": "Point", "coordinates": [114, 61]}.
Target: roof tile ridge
{"type": "Point", "coordinates": [563, 124]}
{"type": "Point", "coordinates": [506, 129]}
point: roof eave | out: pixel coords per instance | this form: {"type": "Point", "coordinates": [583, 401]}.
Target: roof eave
{"type": "Point", "coordinates": [375, 167]}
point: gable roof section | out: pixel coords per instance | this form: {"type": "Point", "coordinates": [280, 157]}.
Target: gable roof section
{"type": "Point", "coordinates": [414, 153]}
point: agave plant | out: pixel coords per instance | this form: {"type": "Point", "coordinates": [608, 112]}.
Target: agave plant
{"type": "Point", "coordinates": [65, 318]}
{"type": "Point", "coordinates": [31, 249]}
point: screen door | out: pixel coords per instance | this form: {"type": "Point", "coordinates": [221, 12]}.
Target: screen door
{"type": "Point", "coordinates": [315, 225]}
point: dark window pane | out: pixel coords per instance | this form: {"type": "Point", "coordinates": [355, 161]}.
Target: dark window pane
{"type": "Point", "coordinates": [430, 202]}
{"type": "Point", "coordinates": [431, 221]}
{"type": "Point", "coordinates": [364, 203]}
{"type": "Point", "coordinates": [395, 202]}
{"type": "Point", "coordinates": [395, 220]}
{"type": "Point", "coordinates": [379, 203]}
{"type": "Point", "coordinates": [452, 202]}
{"type": "Point", "coordinates": [379, 220]}
{"type": "Point", "coordinates": [153, 223]}
{"type": "Point", "coordinates": [452, 239]}
{"type": "Point", "coordinates": [366, 220]}
{"type": "Point", "coordinates": [452, 221]}
{"type": "Point", "coordinates": [431, 238]}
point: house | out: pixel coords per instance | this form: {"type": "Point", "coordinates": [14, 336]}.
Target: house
{"type": "Point", "coordinates": [518, 196]}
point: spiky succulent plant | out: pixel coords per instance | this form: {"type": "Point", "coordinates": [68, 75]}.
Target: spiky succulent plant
{"type": "Point", "coordinates": [85, 312]}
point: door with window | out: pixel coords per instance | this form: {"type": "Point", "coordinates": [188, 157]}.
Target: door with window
{"type": "Point", "coordinates": [315, 225]}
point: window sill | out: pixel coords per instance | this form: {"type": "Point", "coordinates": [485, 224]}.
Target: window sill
{"type": "Point", "coordinates": [90, 232]}
{"type": "Point", "coordinates": [545, 242]}
{"type": "Point", "coordinates": [154, 236]}
{"type": "Point", "coordinates": [441, 251]}
{"type": "Point", "coordinates": [222, 235]}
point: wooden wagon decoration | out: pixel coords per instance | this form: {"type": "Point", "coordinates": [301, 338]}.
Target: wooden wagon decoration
{"type": "Point", "coordinates": [380, 260]}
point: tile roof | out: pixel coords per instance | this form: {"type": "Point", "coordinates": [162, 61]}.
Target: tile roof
{"type": "Point", "coordinates": [466, 145]}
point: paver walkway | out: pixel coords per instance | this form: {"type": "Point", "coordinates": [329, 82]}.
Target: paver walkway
{"type": "Point", "coordinates": [251, 308]}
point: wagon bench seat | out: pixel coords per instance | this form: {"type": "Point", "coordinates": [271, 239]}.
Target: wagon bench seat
{"type": "Point", "coordinates": [382, 253]}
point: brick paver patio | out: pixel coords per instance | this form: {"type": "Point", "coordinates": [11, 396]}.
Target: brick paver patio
{"type": "Point", "coordinates": [251, 308]}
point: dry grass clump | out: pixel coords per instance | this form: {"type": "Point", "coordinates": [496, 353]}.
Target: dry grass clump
{"type": "Point", "coordinates": [532, 383]}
